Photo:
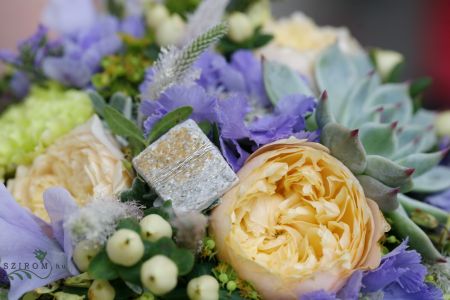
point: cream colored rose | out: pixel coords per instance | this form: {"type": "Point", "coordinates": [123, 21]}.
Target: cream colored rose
{"type": "Point", "coordinates": [298, 41]}
{"type": "Point", "coordinates": [297, 222]}
{"type": "Point", "coordinates": [87, 162]}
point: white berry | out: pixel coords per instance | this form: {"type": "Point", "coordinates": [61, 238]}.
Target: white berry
{"type": "Point", "coordinates": [241, 27]}
{"type": "Point", "coordinates": [204, 287]}
{"type": "Point", "coordinates": [83, 254]}
{"type": "Point", "coordinates": [125, 247]}
{"type": "Point", "coordinates": [170, 31]}
{"type": "Point", "coordinates": [159, 274]}
{"type": "Point", "coordinates": [101, 290]}
{"type": "Point", "coordinates": [156, 14]}
{"type": "Point", "coordinates": [154, 227]}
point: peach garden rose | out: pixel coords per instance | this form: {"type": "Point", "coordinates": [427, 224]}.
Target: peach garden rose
{"type": "Point", "coordinates": [87, 162]}
{"type": "Point", "coordinates": [298, 221]}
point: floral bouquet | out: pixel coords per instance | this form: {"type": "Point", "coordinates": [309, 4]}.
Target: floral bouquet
{"type": "Point", "coordinates": [203, 150]}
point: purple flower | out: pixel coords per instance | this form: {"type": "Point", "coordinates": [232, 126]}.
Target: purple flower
{"type": "Point", "coordinates": [134, 26]}
{"type": "Point", "coordinates": [20, 84]}
{"type": "Point", "coordinates": [242, 75]}
{"type": "Point", "coordinates": [400, 276]}
{"type": "Point", "coordinates": [67, 16]}
{"type": "Point", "coordinates": [84, 49]}
{"type": "Point", "coordinates": [318, 295]}
{"type": "Point", "coordinates": [288, 118]}
{"type": "Point", "coordinates": [26, 239]}
{"type": "Point", "coordinates": [441, 200]}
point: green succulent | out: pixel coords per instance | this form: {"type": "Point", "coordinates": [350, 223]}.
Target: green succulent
{"type": "Point", "coordinates": [373, 129]}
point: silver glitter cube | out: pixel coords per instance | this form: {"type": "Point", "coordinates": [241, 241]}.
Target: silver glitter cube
{"type": "Point", "coordinates": [185, 167]}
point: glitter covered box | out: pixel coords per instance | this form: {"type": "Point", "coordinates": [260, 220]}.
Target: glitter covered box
{"type": "Point", "coordinates": [185, 167]}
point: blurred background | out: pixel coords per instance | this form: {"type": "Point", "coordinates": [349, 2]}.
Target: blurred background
{"type": "Point", "coordinates": [419, 29]}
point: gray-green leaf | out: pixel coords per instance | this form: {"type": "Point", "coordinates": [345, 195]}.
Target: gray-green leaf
{"type": "Point", "coordinates": [120, 125]}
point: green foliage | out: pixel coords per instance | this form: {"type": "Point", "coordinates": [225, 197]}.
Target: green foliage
{"type": "Point", "coordinates": [259, 39]}
{"type": "Point", "coordinates": [168, 121]}
{"type": "Point", "coordinates": [139, 192]}
{"type": "Point", "coordinates": [122, 126]}
{"type": "Point", "coordinates": [129, 223]}
{"type": "Point", "coordinates": [240, 5]}
{"type": "Point", "coordinates": [101, 267]}
{"type": "Point", "coordinates": [183, 8]}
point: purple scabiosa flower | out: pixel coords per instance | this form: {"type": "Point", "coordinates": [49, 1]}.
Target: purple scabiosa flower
{"type": "Point", "coordinates": [68, 16]}
{"type": "Point", "coordinates": [134, 26]}
{"type": "Point", "coordinates": [400, 276]}
{"type": "Point", "coordinates": [85, 50]}
{"type": "Point", "coordinates": [441, 200]}
{"type": "Point", "coordinates": [287, 119]}
{"type": "Point", "coordinates": [27, 239]}
{"type": "Point", "coordinates": [20, 84]}
{"type": "Point", "coordinates": [318, 295]}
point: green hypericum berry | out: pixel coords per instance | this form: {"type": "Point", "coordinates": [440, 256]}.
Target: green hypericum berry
{"type": "Point", "coordinates": [223, 278]}
{"type": "Point", "coordinates": [231, 286]}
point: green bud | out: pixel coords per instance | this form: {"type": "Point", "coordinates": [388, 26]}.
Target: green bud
{"type": "Point", "coordinates": [424, 220]}
{"type": "Point", "coordinates": [210, 244]}
{"type": "Point", "coordinates": [223, 278]}
{"type": "Point", "coordinates": [231, 286]}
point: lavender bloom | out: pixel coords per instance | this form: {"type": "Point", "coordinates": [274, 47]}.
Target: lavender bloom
{"type": "Point", "coordinates": [441, 200]}
{"type": "Point", "coordinates": [318, 295]}
{"type": "Point", "coordinates": [287, 119]}
{"type": "Point", "coordinates": [27, 239]}
{"type": "Point", "coordinates": [20, 84]}
{"type": "Point", "coordinates": [228, 94]}
{"type": "Point", "coordinates": [400, 276]}
{"type": "Point", "coordinates": [68, 16]}
{"type": "Point", "coordinates": [134, 26]}
{"type": "Point", "coordinates": [85, 50]}
{"type": "Point", "coordinates": [242, 75]}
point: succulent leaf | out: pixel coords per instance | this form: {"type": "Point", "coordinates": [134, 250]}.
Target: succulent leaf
{"type": "Point", "coordinates": [344, 144]}
{"type": "Point", "coordinates": [422, 162]}
{"type": "Point", "coordinates": [436, 180]}
{"type": "Point", "coordinates": [418, 239]}
{"type": "Point", "coordinates": [393, 94]}
{"type": "Point", "coordinates": [379, 139]}
{"type": "Point", "coordinates": [281, 81]}
{"type": "Point", "coordinates": [387, 171]}
{"type": "Point", "coordinates": [410, 205]}
{"type": "Point", "coordinates": [335, 73]}
{"type": "Point", "coordinates": [383, 195]}
{"type": "Point", "coordinates": [323, 113]}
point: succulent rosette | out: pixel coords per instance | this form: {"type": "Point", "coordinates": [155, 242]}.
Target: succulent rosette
{"type": "Point", "coordinates": [297, 220]}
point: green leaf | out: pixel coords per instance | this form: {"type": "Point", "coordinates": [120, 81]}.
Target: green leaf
{"type": "Point", "coordinates": [433, 181]}
{"type": "Point", "coordinates": [122, 103]}
{"type": "Point", "coordinates": [418, 240]}
{"type": "Point", "coordinates": [379, 139]}
{"type": "Point", "coordinates": [336, 74]}
{"type": "Point", "coordinates": [411, 205]}
{"type": "Point", "coordinates": [97, 102]}
{"type": "Point", "coordinates": [344, 144]}
{"type": "Point", "coordinates": [129, 223]}
{"type": "Point", "coordinates": [384, 196]}
{"type": "Point", "coordinates": [323, 114]}
{"type": "Point", "coordinates": [205, 126]}
{"type": "Point", "coordinates": [419, 86]}
{"type": "Point", "coordinates": [168, 122]}
{"type": "Point", "coordinates": [130, 274]}
{"type": "Point", "coordinates": [281, 81]}
{"type": "Point", "coordinates": [422, 162]}
{"type": "Point", "coordinates": [101, 267]}
{"type": "Point", "coordinates": [164, 246]}
{"type": "Point", "coordinates": [140, 192]}
{"type": "Point", "coordinates": [184, 259]}
{"type": "Point", "coordinates": [387, 171]}
{"type": "Point", "coordinates": [121, 126]}
{"type": "Point", "coordinates": [392, 94]}
{"type": "Point", "coordinates": [394, 76]}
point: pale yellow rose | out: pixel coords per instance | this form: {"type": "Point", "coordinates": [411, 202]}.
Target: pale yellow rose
{"type": "Point", "coordinates": [87, 162]}
{"type": "Point", "coordinates": [297, 222]}
{"type": "Point", "coordinates": [298, 41]}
